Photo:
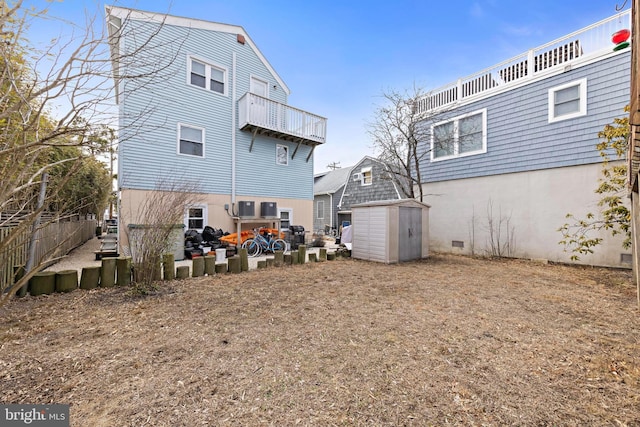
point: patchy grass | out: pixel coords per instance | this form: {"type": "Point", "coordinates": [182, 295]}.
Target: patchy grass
{"type": "Point", "coordinates": [448, 340]}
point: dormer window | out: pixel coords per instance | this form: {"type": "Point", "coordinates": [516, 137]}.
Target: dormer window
{"type": "Point", "coordinates": [367, 176]}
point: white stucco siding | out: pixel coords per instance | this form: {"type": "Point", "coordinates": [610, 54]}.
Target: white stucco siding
{"type": "Point", "coordinates": [535, 204]}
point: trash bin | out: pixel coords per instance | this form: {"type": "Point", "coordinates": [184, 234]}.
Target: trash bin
{"type": "Point", "coordinates": [296, 234]}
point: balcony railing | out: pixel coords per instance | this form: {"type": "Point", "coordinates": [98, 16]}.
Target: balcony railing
{"type": "Point", "coordinates": [264, 116]}
{"type": "Point", "coordinates": [589, 42]}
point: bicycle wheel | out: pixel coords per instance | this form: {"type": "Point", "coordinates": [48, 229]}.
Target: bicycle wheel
{"type": "Point", "coordinates": [278, 245]}
{"type": "Point", "coordinates": [252, 247]}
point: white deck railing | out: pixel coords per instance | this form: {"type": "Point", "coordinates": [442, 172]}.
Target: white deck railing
{"type": "Point", "coordinates": [592, 41]}
{"type": "Point", "coordinates": [256, 110]}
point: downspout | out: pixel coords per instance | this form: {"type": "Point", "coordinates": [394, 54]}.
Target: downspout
{"type": "Point", "coordinates": [233, 149]}
{"type": "Point", "coordinates": [233, 132]}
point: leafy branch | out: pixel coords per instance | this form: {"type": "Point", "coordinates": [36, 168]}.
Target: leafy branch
{"type": "Point", "coordinates": [581, 236]}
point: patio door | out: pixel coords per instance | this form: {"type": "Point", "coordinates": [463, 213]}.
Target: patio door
{"type": "Point", "coordinates": [259, 105]}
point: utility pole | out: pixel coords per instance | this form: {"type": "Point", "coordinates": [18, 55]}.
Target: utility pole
{"type": "Point", "coordinates": [333, 166]}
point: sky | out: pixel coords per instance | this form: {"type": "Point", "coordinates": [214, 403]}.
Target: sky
{"type": "Point", "coordinates": [339, 57]}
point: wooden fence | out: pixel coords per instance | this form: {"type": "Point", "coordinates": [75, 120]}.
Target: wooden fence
{"type": "Point", "coordinates": [52, 240]}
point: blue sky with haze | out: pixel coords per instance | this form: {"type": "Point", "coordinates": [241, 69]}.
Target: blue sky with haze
{"type": "Point", "coordinates": [337, 57]}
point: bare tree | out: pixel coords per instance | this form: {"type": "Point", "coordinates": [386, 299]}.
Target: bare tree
{"type": "Point", "coordinates": [156, 219]}
{"type": "Point", "coordinates": [501, 240]}
{"type": "Point", "coordinates": [402, 135]}
{"type": "Point", "coordinates": [56, 96]}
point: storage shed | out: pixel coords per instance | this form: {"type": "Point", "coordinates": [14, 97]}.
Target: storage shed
{"type": "Point", "coordinates": [390, 230]}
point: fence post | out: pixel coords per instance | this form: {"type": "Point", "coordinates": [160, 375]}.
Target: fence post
{"type": "Point", "coordinates": [108, 272]}
{"type": "Point", "coordinates": [90, 277]}
{"type": "Point", "coordinates": [169, 266]}
{"type": "Point", "coordinates": [123, 271]}
{"type": "Point", "coordinates": [32, 243]}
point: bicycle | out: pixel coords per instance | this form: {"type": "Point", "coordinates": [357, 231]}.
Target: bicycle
{"type": "Point", "coordinates": [327, 231]}
{"type": "Point", "coordinates": [263, 243]}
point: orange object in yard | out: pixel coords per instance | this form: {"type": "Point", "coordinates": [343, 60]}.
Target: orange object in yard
{"type": "Point", "coordinates": [232, 239]}
{"type": "Point", "coordinates": [273, 231]}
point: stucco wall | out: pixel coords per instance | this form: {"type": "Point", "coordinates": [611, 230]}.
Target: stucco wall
{"type": "Point", "coordinates": [132, 200]}
{"type": "Point", "coordinates": [635, 229]}
{"type": "Point", "coordinates": [532, 204]}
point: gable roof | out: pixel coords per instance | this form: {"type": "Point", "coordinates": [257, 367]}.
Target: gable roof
{"type": "Point", "coordinates": [116, 14]}
{"type": "Point", "coordinates": [330, 182]}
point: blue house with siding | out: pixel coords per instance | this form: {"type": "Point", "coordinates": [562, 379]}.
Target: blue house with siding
{"type": "Point", "coordinates": [207, 109]}
{"type": "Point", "coordinates": [512, 149]}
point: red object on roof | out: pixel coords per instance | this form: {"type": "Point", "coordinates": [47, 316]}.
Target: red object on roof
{"type": "Point", "coordinates": [620, 36]}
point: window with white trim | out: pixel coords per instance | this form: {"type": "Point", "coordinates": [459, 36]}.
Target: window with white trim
{"type": "Point", "coordinates": [286, 218]}
{"type": "Point", "coordinates": [568, 101]}
{"type": "Point", "coordinates": [367, 176]}
{"type": "Point", "coordinates": [190, 140]}
{"type": "Point", "coordinates": [195, 218]}
{"type": "Point", "coordinates": [207, 76]}
{"type": "Point", "coordinates": [282, 155]}
{"type": "Point", "coordinates": [320, 209]}
{"type": "Point", "coordinates": [460, 136]}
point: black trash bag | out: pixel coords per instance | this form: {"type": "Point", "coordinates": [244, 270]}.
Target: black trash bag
{"type": "Point", "coordinates": [193, 236]}
{"type": "Point", "coordinates": [208, 234]}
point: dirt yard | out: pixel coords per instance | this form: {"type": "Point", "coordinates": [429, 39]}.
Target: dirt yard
{"type": "Point", "coordinates": [446, 341]}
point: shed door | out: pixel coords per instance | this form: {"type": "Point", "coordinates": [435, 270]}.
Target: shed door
{"type": "Point", "coordinates": [410, 234]}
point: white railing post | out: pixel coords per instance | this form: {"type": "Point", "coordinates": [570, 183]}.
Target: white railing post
{"type": "Point", "coordinates": [586, 43]}
{"type": "Point", "coordinates": [304, 123]}
{"type": "Point", "coordinates": [273, 115]}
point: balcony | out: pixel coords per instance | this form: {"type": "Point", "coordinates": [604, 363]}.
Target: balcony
{"type": "Point", "coordinates": [559, 55]}
{"type": "Point", "coordinates": [263, 116]}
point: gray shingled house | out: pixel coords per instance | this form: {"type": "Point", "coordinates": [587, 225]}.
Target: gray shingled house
{"type": "Point", "coordinates": [327, 191]}
{"type": "Point", "coordinates": [368, 181]}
